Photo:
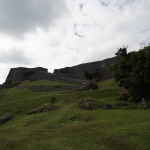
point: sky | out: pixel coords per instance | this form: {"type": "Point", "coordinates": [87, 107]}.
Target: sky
{"type": "Point", "coordinates": [63, 33]}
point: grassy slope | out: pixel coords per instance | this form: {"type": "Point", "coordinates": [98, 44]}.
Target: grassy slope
{"type": "Point", "coordinates": [116, 129]}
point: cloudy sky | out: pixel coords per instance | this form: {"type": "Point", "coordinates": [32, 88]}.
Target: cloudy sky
{"type": "Point", "coordinates": [61, 33]}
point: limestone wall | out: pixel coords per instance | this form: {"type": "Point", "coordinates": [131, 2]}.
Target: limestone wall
{"type": "Point", "coordinates": [21, 73]}
{"type": "Point", "coordinates": [72, 75]}
{"type": "Point", "coordinates": [92, 66]}
{"type": "Point", "coordinates": [76, 72]}
{"type": "Point", "coordinates": [46, 88]}
{"type": "Point", "coordinates": [53, 77]}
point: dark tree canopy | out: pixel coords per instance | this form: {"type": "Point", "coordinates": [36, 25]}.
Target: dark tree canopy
{"type": "Point", "coordinates": [133, 72]}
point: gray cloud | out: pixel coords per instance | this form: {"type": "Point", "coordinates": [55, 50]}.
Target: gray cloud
{"type": "Point", "coordinates": [104, 26]}
{"type": "Point", "coordinates": [14, 56]}
{"type": "Point", "coordinates": [18, 17]}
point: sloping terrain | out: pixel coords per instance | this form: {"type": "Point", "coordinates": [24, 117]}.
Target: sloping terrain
{"type": "Point", "coordinates": [68, 127]}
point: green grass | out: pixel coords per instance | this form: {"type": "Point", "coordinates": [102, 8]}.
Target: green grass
{"type": "Point", "coordinates": [100, 129]}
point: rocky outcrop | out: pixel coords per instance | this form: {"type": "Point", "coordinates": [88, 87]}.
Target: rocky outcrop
{"type": "Point", "coordinates": [123, 94]}
{"type": "Point", "coordinates": [6, 117]}
{"type": "Point", "coordinates": [143, 104]}
{"type": "Point", "coordinates": [120, 104]}
{"type": "Point", "coordinates": [45, 108]}
{"type": "Point", "coordinates": [87, 104]}
{"type": "Point", "coordinates": [89, 85]}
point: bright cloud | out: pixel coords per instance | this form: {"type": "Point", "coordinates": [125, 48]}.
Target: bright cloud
{"type": "Point", "coordinates": [56, 33]}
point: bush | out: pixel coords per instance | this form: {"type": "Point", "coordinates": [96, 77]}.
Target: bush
{"type": "Point", "coordinates": [57, 86]}
{"type": "Point", "coordinates": [53, 99]}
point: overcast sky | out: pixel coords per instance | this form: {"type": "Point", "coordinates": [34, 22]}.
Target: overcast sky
{"type": "Point", "coordinates": [61, 33]}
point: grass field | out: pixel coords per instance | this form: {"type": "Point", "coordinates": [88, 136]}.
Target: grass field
{"type": "Point", "coordinates": [125, 128]}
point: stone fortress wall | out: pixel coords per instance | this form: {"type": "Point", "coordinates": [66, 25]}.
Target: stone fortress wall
{"type": "Point", "coordinates": [88, 66]}
{"type": "Point", "coordinates": [59, 78]}
{"type": "Point", "coordinates": [76, 72]}
{"type": "Point", "coordinates": [22, 73]}
{"type": "Point", "coordinates": [72, 75]}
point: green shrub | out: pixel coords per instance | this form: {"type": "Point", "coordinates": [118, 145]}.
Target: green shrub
{"type": "Point", "coordinates": [53, 100]}
{"type": "Point", "coordinates": [57, 86]}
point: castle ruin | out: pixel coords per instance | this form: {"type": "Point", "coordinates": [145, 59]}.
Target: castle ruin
{"type": "Point", "coordinates": [73, 75]}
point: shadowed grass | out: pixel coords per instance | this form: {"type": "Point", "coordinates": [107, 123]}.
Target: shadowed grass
{"type": "Point", "coordinates": [100, 129]}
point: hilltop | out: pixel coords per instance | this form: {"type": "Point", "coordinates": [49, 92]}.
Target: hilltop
{"type": "Point", "coordinates": [57, 119]}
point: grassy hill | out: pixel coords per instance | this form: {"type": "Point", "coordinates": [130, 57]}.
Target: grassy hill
{"type": "Point", "coordinates": [122, 128]}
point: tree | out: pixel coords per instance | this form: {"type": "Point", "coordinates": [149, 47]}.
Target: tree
{"type": "Point", "coordinates": [133, 72]}
{"type": "Point", "coordinates": [122, 52]}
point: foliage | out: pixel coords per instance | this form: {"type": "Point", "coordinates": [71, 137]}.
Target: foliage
{"type": "Point", "coordinates": [93, 75]}
{"type": "Point", "coordinates": [53, 99]}
{"type": "Point", "coordinates": [133, 72]}
{"type": "Point", "coordinates": [122, 52]}
{"type": "Point", "coordinates": [57, 86]}
{"type": "Point", "coordinates": [45, 108]}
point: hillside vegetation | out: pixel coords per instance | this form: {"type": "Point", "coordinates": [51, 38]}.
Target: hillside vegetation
{"type": "Point", "coordinates": [133, 73]}
{"type": "Point", "coordinates": [68, 127]}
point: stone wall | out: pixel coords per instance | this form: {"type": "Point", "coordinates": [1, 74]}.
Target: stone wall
{"type": "Point", "coordinates": [92, 66]}
{"type": "Point", "coordinates": [72, 75]}
{"type": "Point", "coordinates": [4, 86]}
{"type": "Point", "coordinates": [107, 75]}
{"type": "Point", "coordinates": [53, 77]}
{"type": "Point", "coordinates": [21, 74]}
{"type": "Point", "coordinates": [46, 88]}
{"type": "Point", "coordinates": [76, 72]}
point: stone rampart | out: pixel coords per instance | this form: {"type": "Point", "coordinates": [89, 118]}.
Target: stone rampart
{"type": "Point", "coordinates": [76, 72]}
{"type": "Point", "coordinates": [72, 75]}
{"type": "Point", "coordinates": [21, 74]}
{"type": "Point", "coordinates": [46, 88]}
{"type": "Point", "coordinates": [92, 66]}
{"type": "Point", "coordinates": [53, 77]}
